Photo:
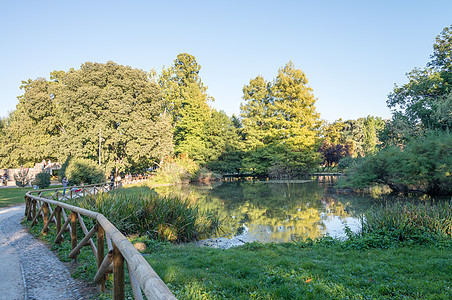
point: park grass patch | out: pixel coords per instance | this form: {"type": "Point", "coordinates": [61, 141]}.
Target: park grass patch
{"type": "Point", "coordinates": [297, 271]}
{"type": "Point", "coordinates": [12, 196]}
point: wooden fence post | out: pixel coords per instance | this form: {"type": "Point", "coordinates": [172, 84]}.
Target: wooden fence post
{"type": "Point", "coordinates": [58, 218]}
{"type": "Point", "coordinates": [34, 208]}
{"type": "Point", "coordinates": [29, 210]}
{"type": "Point", "coordinates": [74, 232]}
{"type": "Point", "coordinates": [26, 206]}
{"type": "Point", "coordinates": [100, 251]}
{"type": "Point", "coordinates": [118, 275]}
{"type": "Point", "coordinates": [46, 216]}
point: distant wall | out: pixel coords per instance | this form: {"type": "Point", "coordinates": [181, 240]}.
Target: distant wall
{"type": "Point", "coordinates": [32, 172]}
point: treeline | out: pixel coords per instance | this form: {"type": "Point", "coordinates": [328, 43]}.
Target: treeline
{"type": "Point", "coordinates": [139, 118]}
{"type": "Point", "coordinates": [417, 154]}
{"type": "Point", "coordinates": [133, 119]}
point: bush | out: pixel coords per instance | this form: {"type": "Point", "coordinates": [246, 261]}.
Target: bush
{"type": "Point", "coordinates": [42, 180]}
{"type": "Point", "coordinates": [84, 171]}
{"type": "Point", "coordinates": [177, 170]}
{"type": "Point", "coordinates": [21, 178]}
{"type": "Point", "coordinates": [204, 175]}
{"type": "Point", "coordinates": [424, 164]}
{"type": "Point", "coordinates": [347, 162]}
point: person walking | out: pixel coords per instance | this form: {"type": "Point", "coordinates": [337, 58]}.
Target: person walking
{"type": "Point", "coordinates": [64, 182]}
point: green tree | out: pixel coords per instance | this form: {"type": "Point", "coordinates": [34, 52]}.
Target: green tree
{"type": "Point", "coordinates": [42, 180]}
{"type": "Point", "coordinates": [186, 100]}
{"type": "Point", "coordinates": [220, 136]}
{"type": "Point", "coordinates": [255, 113]}
{"type": "Point", "coordinates": [28, 130]}
{"type": "Point", "coordinates": [63, 117]}
{"type": "Point", "coordinates": [280, 124]}
{"type": "Point", "coordinates": [119, 101]}
{"type": "Point", "coordinates": [417, 100]}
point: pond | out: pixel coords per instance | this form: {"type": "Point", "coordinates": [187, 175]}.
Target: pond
{"type": "Point", "coordinates": [273, 211]}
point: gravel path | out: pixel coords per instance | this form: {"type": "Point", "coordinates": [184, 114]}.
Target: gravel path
{"type": "Point", "coordinates": [45, 276]}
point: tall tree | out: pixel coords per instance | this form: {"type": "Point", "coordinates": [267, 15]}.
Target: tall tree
{"type": "Point", "coordinates": [121, 103]}
{"type": "Point", "coordinates": [186, 100]}
{"type": "Point", "coordinates": [29, 129]}
{"type": "Point", "coordinates": [294, 119]}
{"type": "Point", "coordinates": [255, 113]}
{"type": "Point", "coordinates": [63, 117]}
{"type": "Point", "coordinates": [280, 122]}
{"type": "Point", "coordinates": [417, 100]}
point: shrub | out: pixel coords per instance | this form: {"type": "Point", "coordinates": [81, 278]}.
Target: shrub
{"type": "Point", "coordinates": [42, 180]}
{"type": "Point", "coordinates": [177, 170]}
{"type": "Point", "coordinates": [206, 176]}
{"type": "Point", "coordinates": [84, 171]}
{"type": "Point", "coordinates": [424, 164]}
{"type": "Point", "coordinates": [347, 162]}
{"type": "Point", "coordinates": [21, 178]}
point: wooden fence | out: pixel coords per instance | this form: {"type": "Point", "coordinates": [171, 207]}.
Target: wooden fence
{"type": "Point", "coordinates": [49, 204]}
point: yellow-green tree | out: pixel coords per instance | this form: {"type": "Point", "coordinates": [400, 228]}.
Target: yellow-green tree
{"type": "Point", "coordinates": [280, 124]}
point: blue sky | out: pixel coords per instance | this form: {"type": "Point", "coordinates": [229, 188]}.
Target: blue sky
{"type": "Point", "coordinates": [353, 52]}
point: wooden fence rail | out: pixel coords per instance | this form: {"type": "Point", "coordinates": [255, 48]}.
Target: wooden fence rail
{"type": "Point", "coordinates": [54, 210]}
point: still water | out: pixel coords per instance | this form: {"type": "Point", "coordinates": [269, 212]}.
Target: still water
{"type": "Point", "coordinates": [267, 211]}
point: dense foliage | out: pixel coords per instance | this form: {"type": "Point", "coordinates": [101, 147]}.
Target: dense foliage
{"type": "Point", "coordinates": [280, 125]}
{"type": "Point", "coordinates": [180, 169]}
{"type": "Point", "coordinates": [42, 180]}
{"type": "Point", "coordinates": [424, 164]}
{"type": "Point", "coordinates": [418, 140]}
{"type": "Point", "coordinates": [425, 100]}
{"type": "Point", "coordinates": [84, 171]}
{"type": "Point", "coordinates": [130, 119]}
{"type": "Point", "coordinates": [68, 115]}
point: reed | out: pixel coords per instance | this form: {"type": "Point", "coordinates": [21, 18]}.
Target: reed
{"type": "Point", "coordinates": [410, 220]}
{"type": "Point", "coordinates": [141, 211]}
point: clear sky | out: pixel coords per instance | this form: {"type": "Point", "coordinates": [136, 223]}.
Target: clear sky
{"type": "Point", "coordinates": [353, 52]}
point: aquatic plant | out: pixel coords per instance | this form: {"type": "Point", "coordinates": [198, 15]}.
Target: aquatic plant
{"type": "Point", "coordinates": [141, 211]}
{"type": "Point", "coordinates": [410, 221]}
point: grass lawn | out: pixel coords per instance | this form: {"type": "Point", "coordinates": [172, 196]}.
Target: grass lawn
{"type": "Point", "coordinates": [290, 271]}
{"type": "Point", "coordinates": [12, 196]}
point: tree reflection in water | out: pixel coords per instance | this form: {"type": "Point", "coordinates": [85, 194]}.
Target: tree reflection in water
{"type": "Point", "coordinates": [275, 212]}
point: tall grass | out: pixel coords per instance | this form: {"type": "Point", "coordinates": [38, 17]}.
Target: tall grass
{"type": "Point", "coordinates": [141, 211]}
{"type": "Point", "coordinates": [410, 221]}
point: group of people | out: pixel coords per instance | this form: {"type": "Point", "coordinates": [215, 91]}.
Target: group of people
{"type": "Point", "coordinates": [4, 179]}
{"type": "Point", "coordinates": [45, 164]}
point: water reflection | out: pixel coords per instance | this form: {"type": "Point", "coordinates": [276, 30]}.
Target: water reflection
{"type": "Point", "coordinates": [275, 212]}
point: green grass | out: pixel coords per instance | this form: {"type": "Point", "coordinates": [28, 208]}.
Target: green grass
{"type": "Point", "coordinates": [12, 196]}
{"type": "Point", "coordinates": [297, 271]}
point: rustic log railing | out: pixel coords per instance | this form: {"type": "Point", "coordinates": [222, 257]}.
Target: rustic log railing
{"type": "Point", "coordinates": [142, 277]}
